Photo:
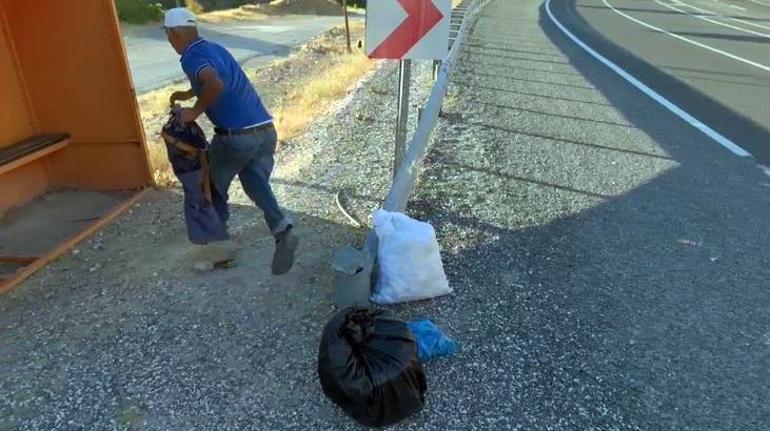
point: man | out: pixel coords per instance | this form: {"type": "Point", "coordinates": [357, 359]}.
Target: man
{"type": "Point", "coordinates": [245, 139]}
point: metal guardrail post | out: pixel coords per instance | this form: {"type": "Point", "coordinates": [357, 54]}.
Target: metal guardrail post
{"type": "Point", "coordinates": [402, 122]}
{"type": "Point", "coordinates": [405, 175]}
{"type": "Point", "coordinates": [405, 178]}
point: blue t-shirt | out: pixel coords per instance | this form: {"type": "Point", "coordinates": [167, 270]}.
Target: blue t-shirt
{"type": "Point", "coordinates": [239, 105]}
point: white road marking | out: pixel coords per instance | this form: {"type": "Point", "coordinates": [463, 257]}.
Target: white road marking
{"type": "Point", "coordinates": [673, 108]}
{"type": "Point", "coordinates": [701, 17]}
{"type": "Point", "coordinates": [742, 9]}
{"type": "Point", "coordinates": [753, 24]}
{"type": "Point", "coordinates": [688, 40]}
{"type": "Point", "coordinates": [759, 2]}
{"type": "Point", "coordinates": [742, 21]}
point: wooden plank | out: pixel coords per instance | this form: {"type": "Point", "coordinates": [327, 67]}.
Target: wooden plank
{"type": "Point", "coordinates": [32, 157]}
{"type": "Point", "coordinates": [19, 260]}
{"type": "Point", "coordinates": [30, 145]}
{"type": "Point", "coordinates": [27, 271]}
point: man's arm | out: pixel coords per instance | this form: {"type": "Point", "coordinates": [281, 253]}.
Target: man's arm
{"type": "Point", "coordinates": [211, 89]}
{"type": "Point", "coordinates": [181, 96]}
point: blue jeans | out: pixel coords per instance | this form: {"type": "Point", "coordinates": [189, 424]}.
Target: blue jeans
{"type": "Point", "coordinates": [250, 157]}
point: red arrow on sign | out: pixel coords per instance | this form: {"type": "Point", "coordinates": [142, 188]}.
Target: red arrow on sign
{"type": "Point", "coordinates": [422, 16]}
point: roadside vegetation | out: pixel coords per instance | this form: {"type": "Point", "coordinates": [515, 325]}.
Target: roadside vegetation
{"type": "Point", "coordinates": [314, 95]}
{"type": "Point", "coordinates": [138, 11]}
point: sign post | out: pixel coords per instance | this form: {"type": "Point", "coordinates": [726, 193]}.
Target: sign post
{"type": "Point", "coordinates": [407, 30]}
{"type": "Point", "coordinates": [347, 25]}
{"type": "Point", "coordinates": [402, 121]}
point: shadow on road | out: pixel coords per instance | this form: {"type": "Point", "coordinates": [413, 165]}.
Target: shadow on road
{"type": "Point", "coordinates": [733, 125]}
{"type": "Point", "coordinates": [642, 310]}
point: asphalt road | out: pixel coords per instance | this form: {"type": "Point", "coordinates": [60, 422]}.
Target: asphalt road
{"type": "Point", "coordinates": [154, 63]}
{"type": "Point", "coordinates": [710, 57]}
{"type": "Point", "coordinates": [609, 260]}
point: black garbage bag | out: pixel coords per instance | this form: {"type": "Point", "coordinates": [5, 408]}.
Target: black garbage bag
{"type": "Point", "coordinates": [368, 365]}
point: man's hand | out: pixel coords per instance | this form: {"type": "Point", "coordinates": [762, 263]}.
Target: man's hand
{"type": "Point", "coordinates": [180, 96]}
{"type": "Point", "coordinates": [188, 115]}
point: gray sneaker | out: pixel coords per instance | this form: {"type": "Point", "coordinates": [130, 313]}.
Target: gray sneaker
{"type": "Point", "coordinates": [285, 245]}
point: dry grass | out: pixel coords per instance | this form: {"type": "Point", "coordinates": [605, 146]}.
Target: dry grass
{"type": "Point", "coordinates": [323, 73]}
{"type": "Point", "coordinates": [299, 7]}
{"type": "Point", "coordinates": [316, 94]}
{"type": "Point", "coordinates": [156, 103]}
{"type": "Point", "coordinates": [237, 14]}
{"type": "Point", "coordinates": [161, 170]}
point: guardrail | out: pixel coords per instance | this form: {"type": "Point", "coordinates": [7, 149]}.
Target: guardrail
{"type": "Point", "coordinates": [406, 176]}
{"type": "Point", "coordinates": [354, 268]}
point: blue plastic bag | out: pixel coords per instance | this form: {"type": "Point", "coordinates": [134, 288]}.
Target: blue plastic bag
{"type": "Point", "coordinates": [431, 342]}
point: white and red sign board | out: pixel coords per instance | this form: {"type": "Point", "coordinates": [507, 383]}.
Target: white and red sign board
{"type": "Point", "coordinates": [408, 29]}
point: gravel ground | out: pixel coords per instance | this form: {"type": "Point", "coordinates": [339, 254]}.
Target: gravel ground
{"type": "Point", "coordinates": [607, 264]}
{"type": "Point", "coordinates": [121, 334]}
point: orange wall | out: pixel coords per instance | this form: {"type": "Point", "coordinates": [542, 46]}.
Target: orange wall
{"type": "Point", "coordinates": [22, 184]}
{"type": "Point", "coordinates": [74, 67]}
{"type": "Point", "coordinates": [16, 121]}
{"type": "Point", "coordinates": [83, 166]}
{"type": "Point", "coordinates": [72, 58]}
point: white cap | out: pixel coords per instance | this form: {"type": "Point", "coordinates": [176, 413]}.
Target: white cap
{"type": "Point", "coordinates": [180, 17]}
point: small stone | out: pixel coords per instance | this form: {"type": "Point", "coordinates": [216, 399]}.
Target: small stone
{"type": "Point", "coordinates": [689, 242]}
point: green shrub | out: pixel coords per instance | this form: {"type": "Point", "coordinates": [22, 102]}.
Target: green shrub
{"type": "Point", "coordinates": [139, 11]}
